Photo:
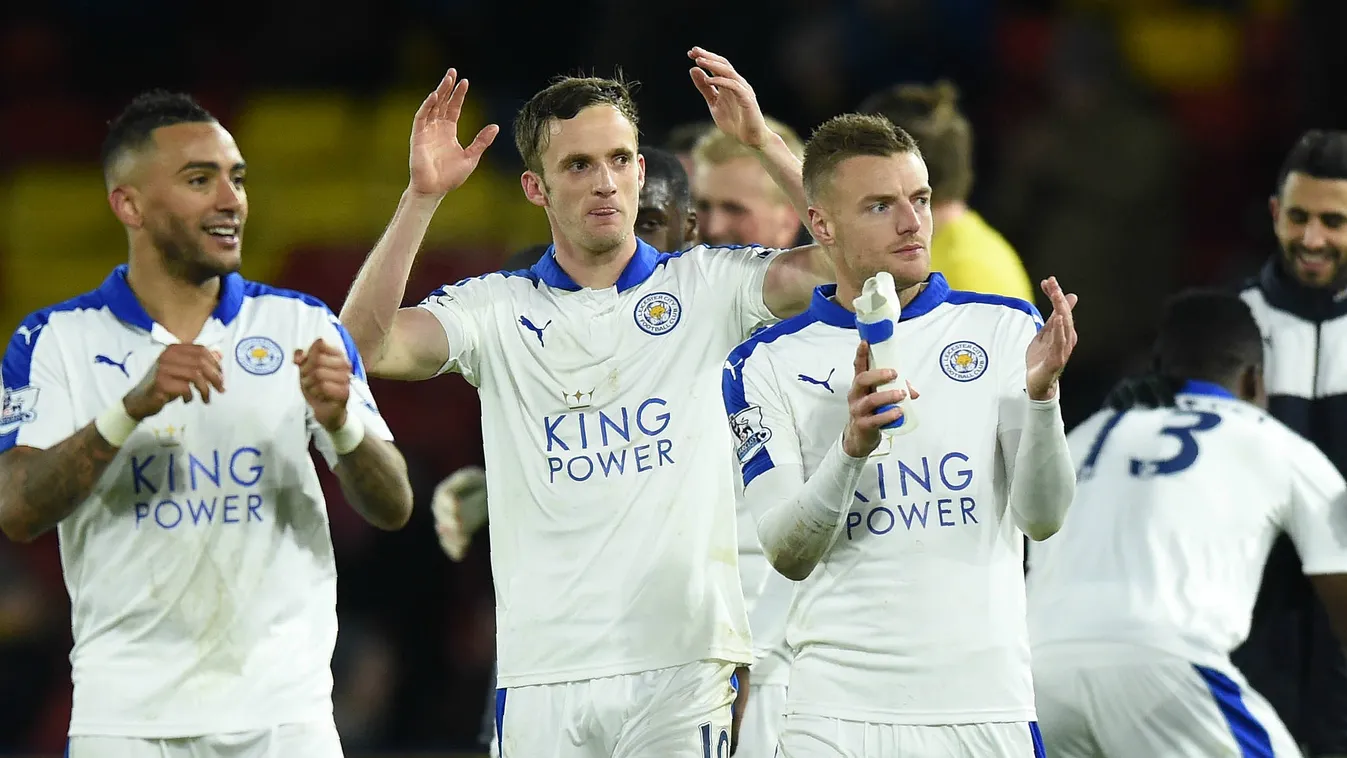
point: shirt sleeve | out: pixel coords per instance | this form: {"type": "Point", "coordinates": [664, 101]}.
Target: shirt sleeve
{"type": "Point", "coordinates": [462, 309]}
{"type": "Point", "coordinates": [38, 410]}
{"type": "Point", "coordinates": [1317, 522]}
{"type": "Point", "coordinates": [360, 404]}
{"type": "Point", "coordinates": [1032, 437]}
{"type": "Point", "coordinates": [798, 519]}
{"type": "Point", "coordinates": [740, 273]}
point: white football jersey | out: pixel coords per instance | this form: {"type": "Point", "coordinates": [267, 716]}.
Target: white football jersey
{"type": "Point", "coordinates": [915, 615]}
{"type": "Point", "coordinates": [200, 569]}
{"type": "Point", "coordinates": [609, 480]}
{"type": "Point", "coordinates": [1175, 512]}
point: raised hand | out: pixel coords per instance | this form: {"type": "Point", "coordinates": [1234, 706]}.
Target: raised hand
{"type": "Point", "coordinates": [438, 163]}
{"type": "Point", "coordinates": [180, 369]}
{"type": "Point", "coordinates": [864, 426]}
{"type": "Point", "coordinates": [1048, 352]}
{"type": "Point", "coordinates": [731, 100]}
{"type": "Point", "coordinates": [325, 380]}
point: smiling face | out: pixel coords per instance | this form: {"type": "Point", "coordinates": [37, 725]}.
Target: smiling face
{"type": "Point", "coordinates": [184, 192]}
{"type": "Point", "coordinates": [1309, 217]}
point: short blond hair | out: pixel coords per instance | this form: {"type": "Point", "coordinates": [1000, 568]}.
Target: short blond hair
{"type": "Point", "coordinates": [716, 147]}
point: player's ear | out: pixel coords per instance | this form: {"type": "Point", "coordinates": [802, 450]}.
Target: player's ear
{"type": "Point", "coordinates": [689, 227]}
{"type": "Point", "coordinates": [820, 227]}
{"type": "Point", "coordinates": [1274, 204]}
{"type": "Point", "coordinates": [125, 203]}
{"type": "Point", "coordinates": [534, 189]}
{"type": "Point", "coordinates": [640, 170]}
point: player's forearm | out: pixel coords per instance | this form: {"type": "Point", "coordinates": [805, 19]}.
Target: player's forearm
{"type": "Point", "coordinates": [798, 532]}
{"type": "Point", "coordinates": [373, 477]}
{"type": "Point", "coordinates": [40, 488]}
{"type": "Point", "coordinates": [787, 171]}
{"type": "Point", "coordinates": [1043, 482]}
{"type": "Point", "coordinates": [379, 288]}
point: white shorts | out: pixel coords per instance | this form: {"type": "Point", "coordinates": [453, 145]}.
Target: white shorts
{"type": "Point", "coordinates": [761, 727]}
{"type": "Point", "coordinates": [316, 740]}
{"type": "Point", "coordinates": [679, 712]}
{"type": "Point", "coordinates": [818, 737]}
{"type": "Point", "coordinates": [1162, 707]}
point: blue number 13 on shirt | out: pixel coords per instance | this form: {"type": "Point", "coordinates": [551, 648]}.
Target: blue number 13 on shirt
{"type": "Point", "coordinates": [1184, 433]}
{"type": "Point", "coordinates": [1187, 454]}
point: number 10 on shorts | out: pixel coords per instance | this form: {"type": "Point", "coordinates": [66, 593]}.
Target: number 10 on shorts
{"type": "Point", "coordinates": [721, 745]}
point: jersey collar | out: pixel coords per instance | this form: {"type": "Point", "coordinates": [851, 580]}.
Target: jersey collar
{"type": "Point", "coordinates": [638, 269]}
{"type": "Point", "coordinates": [827, 310]}
{"type": "Point", "coordinates": [122, 301]}
{"type": "Point", "coordinates": [1199, 387]}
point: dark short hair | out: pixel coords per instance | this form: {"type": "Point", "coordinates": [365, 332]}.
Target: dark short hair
{"type": "Point", "coordinates": [1319, 153]}
{"type": "Point", "coordinates": [563, 99]}
{"type": "Point", "coordinates": [850, 135]}
{"type": "Point", "coordinates": [1207, 334]}
{"type": "Point", "coordinates": [663, 166]}
{"type": "Point", "coordinates": [134, 127]}
{"type": "Point", "coordinates": [930, 113]}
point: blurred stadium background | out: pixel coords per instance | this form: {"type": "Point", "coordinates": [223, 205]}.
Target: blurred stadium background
{"type": "Point", "coordinates": [1127, 146]}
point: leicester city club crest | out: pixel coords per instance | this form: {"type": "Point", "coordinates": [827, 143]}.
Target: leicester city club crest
{"type": "Point", "coordinates": [963, 361]}
{"type": "Point", "coordinates": [658, 313]}
{"type": "Point", "coordinates": [259, 355]}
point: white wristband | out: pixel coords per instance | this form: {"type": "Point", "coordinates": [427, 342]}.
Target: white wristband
{"type": "Point", "coordinates": [115, 424]}
{"type": "Point", "coordinates": [349, 436]}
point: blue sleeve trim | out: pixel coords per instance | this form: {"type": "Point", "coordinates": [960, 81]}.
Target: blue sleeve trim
{"type": "Point", "coordinates": [17, 368]}
{"type": "Point", "coordinates": [733, 392]}
{"type": "Point", "coordinates": [352, 353]}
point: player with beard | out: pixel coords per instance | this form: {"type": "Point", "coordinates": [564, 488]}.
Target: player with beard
{"type": "Point", "coordinates": [194, 535]}
{"type": "Point", "coordinates": [1299, 300]}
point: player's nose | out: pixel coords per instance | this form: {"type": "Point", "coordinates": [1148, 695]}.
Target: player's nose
{"type": "Point", "coordinates": [1314, 235]}
{"type": "Point", "coordinates": [906, 220]}
{"type": "Point", "coordinates": [228, 196]}
{"type": "Point", "coordinates": [606, 182]}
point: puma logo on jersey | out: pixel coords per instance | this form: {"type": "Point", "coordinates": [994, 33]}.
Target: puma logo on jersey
{"type": "Point", "coordinates": [823, 383]}
{"type": "Point", "coordinates": [538, 330]}
{"type": "Point", "coordinates": [28, 333]}
{"type": "Point", "coordinates": [104, 360]}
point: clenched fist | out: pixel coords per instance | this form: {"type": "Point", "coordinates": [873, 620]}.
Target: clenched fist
{"type": "Point", "coordinates": [179, 369]}
{"type": "Point", "coordinates": [325, 380]}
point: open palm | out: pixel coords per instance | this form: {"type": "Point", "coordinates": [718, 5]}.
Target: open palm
{"type": "Point", "coordinates": [438, 163]}
{"type": "Point", "coordinates": [729, 97]}
{"type": "Point", "coordinates": [1050, 349]}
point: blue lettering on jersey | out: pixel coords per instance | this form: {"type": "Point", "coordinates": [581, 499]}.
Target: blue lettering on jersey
{"type": "Point", "coordinates": [609, 442]}
{"type": "Point", "coordinates": [186, 489]}
{"type": "Point", "coordinates": [951, 473]}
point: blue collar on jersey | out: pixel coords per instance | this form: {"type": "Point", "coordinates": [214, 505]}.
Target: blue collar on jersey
{"type": "Point", "coordinates": [1199, 387]}
{"type": "Point", "coordinates": [825, 309]}
{"type": "Point", "coordinates": [638, 269]}
{"type": "Point", "coordinates": [116, 292]}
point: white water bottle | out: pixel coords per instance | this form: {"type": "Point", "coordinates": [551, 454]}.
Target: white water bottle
{"type": "Point", "coordinates": [877, 313]}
